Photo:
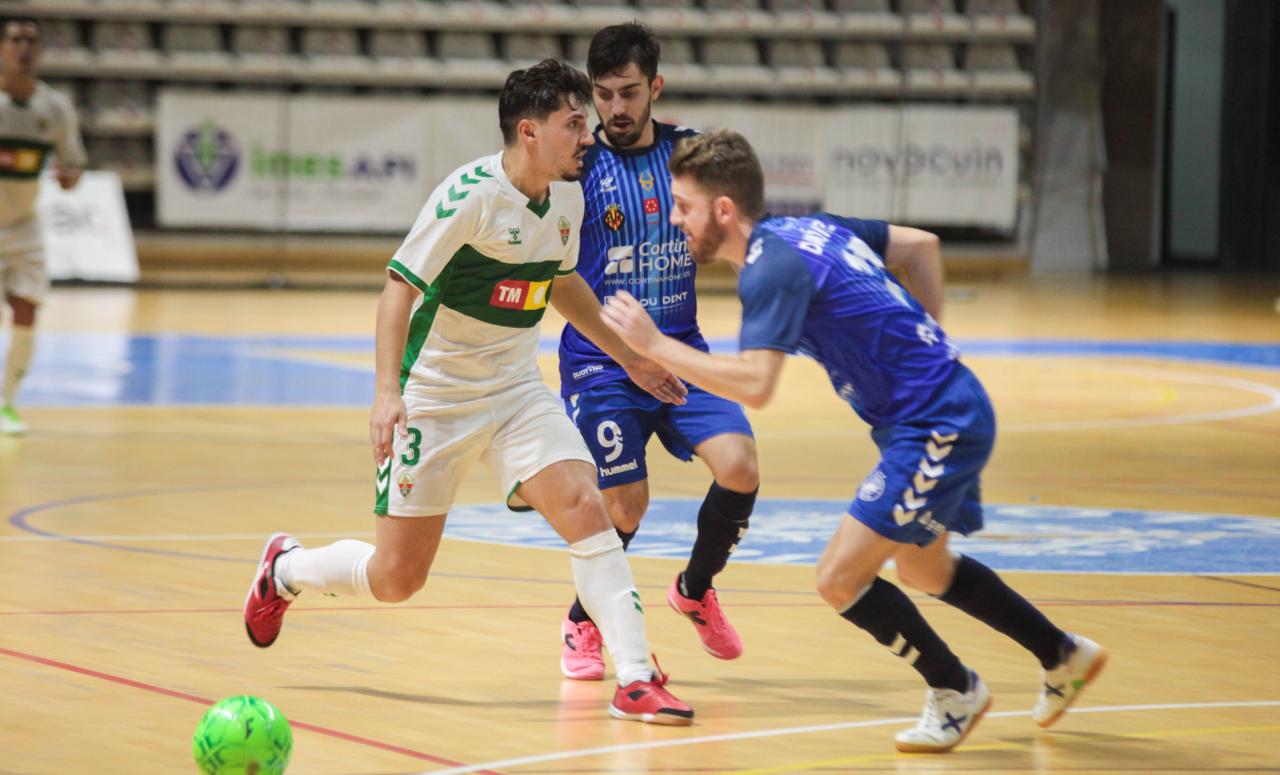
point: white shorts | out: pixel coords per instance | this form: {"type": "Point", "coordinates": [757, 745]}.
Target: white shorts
{"type": "Point", "coordinates": [22, 270]}
{"type": "Point", "coordinates": [518, 432]}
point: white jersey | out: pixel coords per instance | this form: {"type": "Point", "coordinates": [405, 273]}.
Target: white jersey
{"type": "Point", "coordinates": [484, 257]}
{"type": "Point", "coordinates": [28, 132]}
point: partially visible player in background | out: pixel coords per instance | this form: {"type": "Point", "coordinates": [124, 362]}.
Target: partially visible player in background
{"type": "Point", "coordinates": [822, 285]}
{"type": "Point", "coordinates": [34, 120]}
{"type": "Point", "coordinates": [628, 243]}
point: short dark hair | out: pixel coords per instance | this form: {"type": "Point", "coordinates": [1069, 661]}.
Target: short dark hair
{"type": "Point", "coordinates": [724, 163]}
{"type": "Point", "coordinates": [5, 21]}
{"type": "Point", "coordinates": [617, 46]}
{"type": "Point", "coordinates": [539, 91]}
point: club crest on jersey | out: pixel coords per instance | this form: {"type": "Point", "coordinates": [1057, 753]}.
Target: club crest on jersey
{"type": "Point", "coordinates": [520, 294]}
{"type": "Point", "coordinates": [564, 230]}
{"type": "Point", "coordinates": [646, 181]}
{"type": "Point", "coordinates": [613, 217]}
{"type": "Point", "coordinates": [405, 483]}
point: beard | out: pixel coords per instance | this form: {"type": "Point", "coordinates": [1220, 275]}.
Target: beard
{"type": "Point", "coordinates": [704, 249]}
{"type": "Point", "coordinates": [632, 136]}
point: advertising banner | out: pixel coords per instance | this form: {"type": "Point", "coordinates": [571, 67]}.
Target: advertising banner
{"type": "Point", "coordinates": [924, 164]}
{"type": "Point", "coordinates": [292, 162]}
{"type": "Point", "coordinates": [209, 157]}
{"type": "Point", "coordinates": [86, 230]}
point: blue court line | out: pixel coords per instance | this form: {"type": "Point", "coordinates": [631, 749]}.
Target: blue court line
{"type": "Point", "coordinates": [73, 369]}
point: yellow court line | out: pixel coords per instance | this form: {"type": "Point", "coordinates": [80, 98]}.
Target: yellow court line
{"type": "Point", "coordinates": [866, 758]}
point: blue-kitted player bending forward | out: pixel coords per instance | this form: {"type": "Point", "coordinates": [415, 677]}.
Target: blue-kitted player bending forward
{"type": "Point", "coordinates": [822, 285]}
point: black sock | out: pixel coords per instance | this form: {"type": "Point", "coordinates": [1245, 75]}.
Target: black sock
{"type": "Point", "coordinates": [722, 521]}
{"type": "Point", "coordinates": [979, 592]}
{"type": "Point", "coordinates": [578, 614]}
{"type": "Point", "coordinates": [892, 619]}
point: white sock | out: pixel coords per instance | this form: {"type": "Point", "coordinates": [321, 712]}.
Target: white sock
{"type": "Point", "coordinates": [21, 345]}
{"type": "Point", "coordinates": [339, 569]}
{"type": "Point", "coordinates": [608, 593]}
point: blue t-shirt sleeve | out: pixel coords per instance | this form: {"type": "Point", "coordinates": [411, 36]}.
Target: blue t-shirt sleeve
{"type": "Point", "coordinates": [874, 233]}
{"type": "Point", "coordinates": [775, 290]}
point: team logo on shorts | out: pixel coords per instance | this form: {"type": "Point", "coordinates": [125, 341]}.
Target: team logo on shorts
{"type": "Point", "coordinates": [613, 217]}
{"type": "Point", "coordinates": [872, 487]}
{"type": "Point", "coordinates": [405, 483]}
{"type": "Point", "coordinates": [564, 230]}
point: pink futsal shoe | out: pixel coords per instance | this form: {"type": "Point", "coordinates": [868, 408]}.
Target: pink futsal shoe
{"type": "Point", "coordinates": [268, 596]}
{"type": "Point", "coordinates": [718, 636]}
{"type": "Point", "coordinates": [649, 702]}
{"type": "Point", "coordinates": [581, 659]}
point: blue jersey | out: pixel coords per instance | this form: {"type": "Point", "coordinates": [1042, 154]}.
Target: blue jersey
{"type": "Point", "coordinates": [628, 243]}
{"type": "Point", "coordinates": [818, 285]}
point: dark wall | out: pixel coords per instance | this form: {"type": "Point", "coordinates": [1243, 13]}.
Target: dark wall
{"type": "Point", "coordinates": [1249, 138]}
{"type": "Point", "coordinates": [1132, 107]}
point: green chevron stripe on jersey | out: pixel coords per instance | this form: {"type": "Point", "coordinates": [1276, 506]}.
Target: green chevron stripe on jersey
{"type": "Point", "coordinates": [477, 284]}
{"type": "Point", "coordinates": [420, 323]}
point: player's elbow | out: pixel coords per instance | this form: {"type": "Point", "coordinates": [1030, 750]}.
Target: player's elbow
{"type": "Point", "coordinates": [759, 393]}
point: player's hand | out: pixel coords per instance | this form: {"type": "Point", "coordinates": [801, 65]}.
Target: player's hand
{"type": "Point", "coordinates": [624, 315]}
{"type": "Point", "coordinates": [67, 177]}
{"type": "Point", "coordinates": [387, 417]}
{"type": "Point", "coordinates": [656, 381]}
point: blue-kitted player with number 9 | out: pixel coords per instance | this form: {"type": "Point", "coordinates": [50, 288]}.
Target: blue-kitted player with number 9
{"type": "Point", "coordinates": [629, 245]}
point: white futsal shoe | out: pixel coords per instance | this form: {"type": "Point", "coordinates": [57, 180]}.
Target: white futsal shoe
{"type": "Point", "coordinates": [10, 423]}
{"type": "Point", "coordinates": [948, 718]}
{"type": "Point", "coordinates": [1060, 686]}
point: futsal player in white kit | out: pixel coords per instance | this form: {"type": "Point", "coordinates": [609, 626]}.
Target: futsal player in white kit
{"type": "Point", "coordinates": [35, 122]}
{"type": "Point", "coordinates": [457, 381]}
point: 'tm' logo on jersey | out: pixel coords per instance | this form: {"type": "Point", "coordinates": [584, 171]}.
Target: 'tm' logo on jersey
{"type": "Point", "coordinates": [520, 294]}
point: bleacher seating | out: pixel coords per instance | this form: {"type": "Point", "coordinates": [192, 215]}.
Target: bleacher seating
{"type": "Point", "coordinates": [931, 69]}
{"type": "Point", "coordinates": [195, 48]}
{"type": "Point", "coordinates": [115, 54]}
{"type": "Point", "coordinates": [470, 59]}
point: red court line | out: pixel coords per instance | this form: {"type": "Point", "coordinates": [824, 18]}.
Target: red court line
{"type": "Point", "coordinates": [508, 606]}
{"type": "Point", "coordinates": [204, 701]}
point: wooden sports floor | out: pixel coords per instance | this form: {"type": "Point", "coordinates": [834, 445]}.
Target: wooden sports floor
{"type": "Point", "coordinates": [1134, 494]}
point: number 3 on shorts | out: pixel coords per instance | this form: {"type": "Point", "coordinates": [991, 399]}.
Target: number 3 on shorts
{"type": "Point", "coordinates": [610, 437]}
{"type": "Point", "coordinates": [410, 457]}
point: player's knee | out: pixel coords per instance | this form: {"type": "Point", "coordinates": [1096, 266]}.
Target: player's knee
{"type": "Point", "coordinates": [929, 578]}
{"type": "Point", "coordinates": [626, 516]}
{"type": "Point", "coordinates": [585, 507]}
{"type": "Point", "coordinates": [399, 583]}
{"type": "Point", "coordinates": [920, 579]}
{"type": "Point", "coordinates": [741, 474]}
{"type": "Point", "coordinates": [839, 584]}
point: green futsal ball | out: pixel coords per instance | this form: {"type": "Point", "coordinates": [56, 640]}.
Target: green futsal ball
{"type": "Point", "coordinates": [242, 736]}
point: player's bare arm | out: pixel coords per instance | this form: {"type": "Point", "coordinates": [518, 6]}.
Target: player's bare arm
{"type": "Point", "coordinates": [388, 414]}
{"type": "Point", "coordinates": [915, 257]}
{"type": "Point", "coordinates": [574, 299]}
{"type": "Point", "coordinates": [750, 378]}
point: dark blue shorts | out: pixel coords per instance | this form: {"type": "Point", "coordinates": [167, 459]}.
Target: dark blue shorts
{"type": "Point", "coordinates": [617, 419]}
{"type": "Point", "coordinates": [929, 476]}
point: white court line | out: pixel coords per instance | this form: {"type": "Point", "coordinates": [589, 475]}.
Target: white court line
{"type": "Point", "coordinates": [1267, 391]}
{"type": "Point", "coordinates": [562, 755]}
{"type": "Point", "coordinates": [179, 536]}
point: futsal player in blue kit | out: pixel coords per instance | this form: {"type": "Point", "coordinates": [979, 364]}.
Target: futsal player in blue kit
{"type": "Point", "coordinates": [822, 285]}
{"type": "Point", "coordinates": [629, 244]}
